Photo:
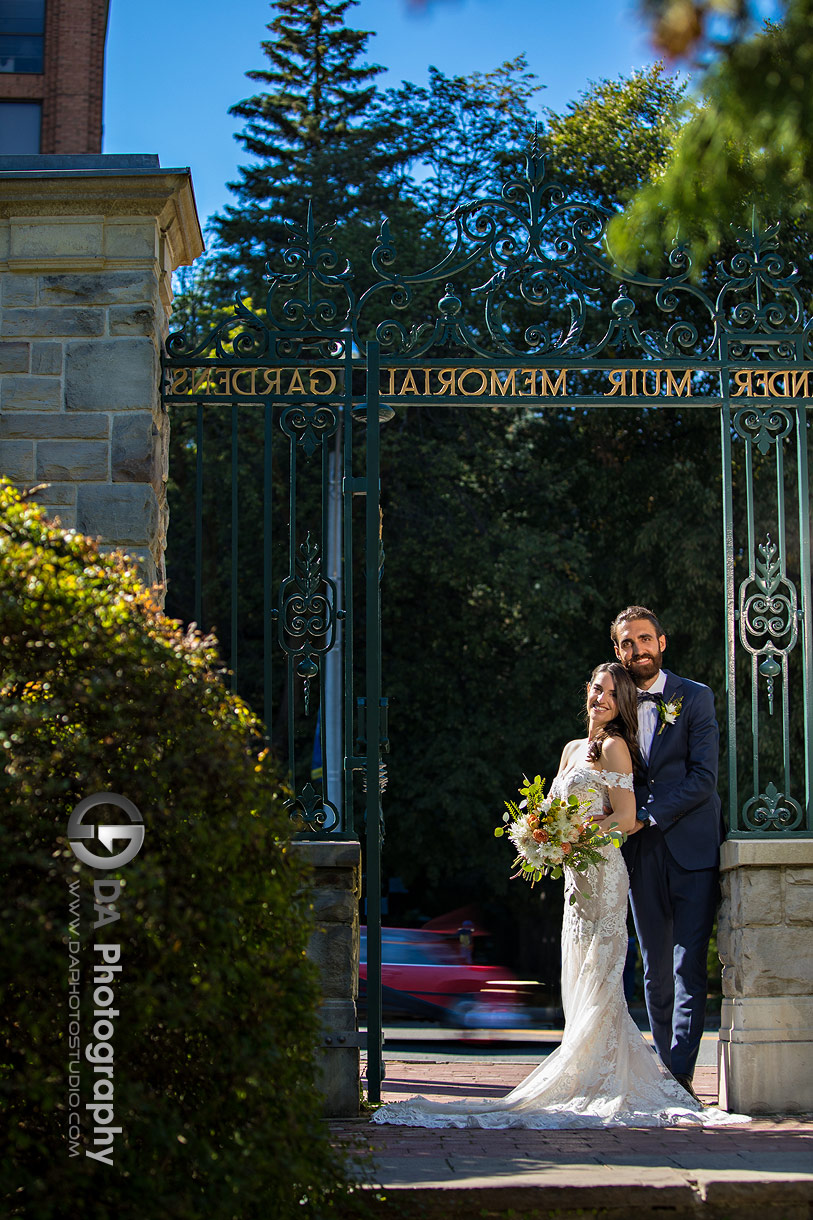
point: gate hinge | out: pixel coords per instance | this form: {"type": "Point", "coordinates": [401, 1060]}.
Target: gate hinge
{"type": "Point", "coordinates": [351, 1038]}
{"type": "Point", "coordinates": [383, 725]}
{"type": "Point", "coordinates": [357, 485]}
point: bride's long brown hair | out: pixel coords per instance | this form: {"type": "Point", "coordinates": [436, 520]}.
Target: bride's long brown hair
{"type": "Point", "coordinates": [625, 723]}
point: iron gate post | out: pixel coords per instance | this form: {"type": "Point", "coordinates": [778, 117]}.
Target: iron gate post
{"type": "Point", "coordinates": [373, 729]}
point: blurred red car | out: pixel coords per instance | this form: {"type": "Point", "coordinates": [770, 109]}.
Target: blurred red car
{"type": "Point", "coordinates": [429, 975]}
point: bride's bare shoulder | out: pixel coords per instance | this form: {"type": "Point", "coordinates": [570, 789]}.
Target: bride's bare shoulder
{"type": "Point", "coordinates": [615, 755]}
{"type": "Point", "coordinates": [570, 751]}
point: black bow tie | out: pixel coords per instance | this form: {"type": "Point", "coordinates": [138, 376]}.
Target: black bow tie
{"type": "Point", "coordinates": [645, 697]}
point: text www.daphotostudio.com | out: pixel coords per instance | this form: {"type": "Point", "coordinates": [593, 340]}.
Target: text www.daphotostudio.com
{"type": "Point", "coordinates": [106, 969]}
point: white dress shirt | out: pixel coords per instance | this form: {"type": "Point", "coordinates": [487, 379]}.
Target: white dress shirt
{"type": "Point", "coordinates": [648, 715]}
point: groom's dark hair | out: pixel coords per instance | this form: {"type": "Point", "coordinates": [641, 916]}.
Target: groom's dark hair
{"type": "Point", "coordinates": [629, 615]}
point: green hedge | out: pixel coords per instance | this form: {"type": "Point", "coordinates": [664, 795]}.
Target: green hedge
{"type": "Point", "coordinates": [213, 1044]}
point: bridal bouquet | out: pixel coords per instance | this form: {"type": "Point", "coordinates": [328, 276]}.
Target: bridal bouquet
{"type": "Point", "coordinates": [549, 832]}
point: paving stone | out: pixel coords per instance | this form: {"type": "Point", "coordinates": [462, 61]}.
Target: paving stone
{"type": "Point", "coordinates": [764, 1168]}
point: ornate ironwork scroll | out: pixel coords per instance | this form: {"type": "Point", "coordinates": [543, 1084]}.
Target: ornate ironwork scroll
{"type": "Point", "coordinates": [768, 614]}
{"type": "Point", "coordinates": [772, 810]}
{"type": "Point", "coordinates": [307, 619]}
{"type": "Point", "coordinates": [525, 294]}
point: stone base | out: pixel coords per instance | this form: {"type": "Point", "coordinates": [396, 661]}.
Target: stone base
{"type": "Point", "coordinates": [334, 948]}
{"type": "Point", "coordinates": [765, 1055]}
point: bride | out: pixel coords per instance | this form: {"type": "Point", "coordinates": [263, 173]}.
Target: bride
{"type": "Point", "coordinates": [604, 1073]}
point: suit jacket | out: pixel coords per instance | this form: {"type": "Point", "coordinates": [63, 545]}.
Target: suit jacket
{"type": "Point", "coordinates": [679, 787]}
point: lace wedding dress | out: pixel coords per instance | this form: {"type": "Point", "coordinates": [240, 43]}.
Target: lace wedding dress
{"type": "Point", "coordinates": [604, 1073]}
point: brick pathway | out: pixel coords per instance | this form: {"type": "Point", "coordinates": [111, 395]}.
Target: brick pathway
{"type": "Point", "coordinates": [675, 1171]}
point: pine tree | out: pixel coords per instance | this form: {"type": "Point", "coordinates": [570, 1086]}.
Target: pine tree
{"type": "Point", "coordinates": [314, 133]}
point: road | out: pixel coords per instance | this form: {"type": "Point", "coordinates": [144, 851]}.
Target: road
{"type": "Point", "coordinates": [431, 1042]}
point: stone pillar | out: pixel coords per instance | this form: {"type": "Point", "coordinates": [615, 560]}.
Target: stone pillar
{"type": "Point", "coordinates": [88, 245]}
{"type": "Point", "coordinates": [765, 930]}
{"type": "Point", "coordinates": [334, 947]}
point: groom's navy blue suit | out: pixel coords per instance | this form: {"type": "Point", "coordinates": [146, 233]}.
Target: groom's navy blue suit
{"type": "Point", "coordinates": [674, 871]}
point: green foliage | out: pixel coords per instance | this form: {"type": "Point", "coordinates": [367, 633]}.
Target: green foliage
{"type": "Point", "coordinates": [456, 131]}
{"type": "Point", "coordinates": [748, 144]}
{"type": "Point", "coordinates": [617, 136]}
{"type": "Point", "coordinates": [214, 1072]}
{"type": "Point", "coordinates": [312, 134]}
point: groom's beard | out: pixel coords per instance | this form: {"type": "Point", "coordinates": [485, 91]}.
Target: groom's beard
{"type": "Point", "coordinates": [642, 668]}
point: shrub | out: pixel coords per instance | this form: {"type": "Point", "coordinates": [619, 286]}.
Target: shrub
{"type": "Point", "coordinates": [215, 1027]}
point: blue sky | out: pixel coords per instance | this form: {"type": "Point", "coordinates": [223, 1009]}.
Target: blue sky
{"type": "Point", "coordinates": [175, 66]}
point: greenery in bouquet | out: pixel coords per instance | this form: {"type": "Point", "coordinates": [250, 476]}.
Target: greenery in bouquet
{"type": "Point", "coordinates": [550, 832]}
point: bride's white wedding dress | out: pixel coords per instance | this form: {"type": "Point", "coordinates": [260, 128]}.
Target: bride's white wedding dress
{"type": "Point", "coordinates": [604, 1073]}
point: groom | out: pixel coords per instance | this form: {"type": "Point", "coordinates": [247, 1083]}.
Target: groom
{"type": "Point", "coordinates": [674, 861]}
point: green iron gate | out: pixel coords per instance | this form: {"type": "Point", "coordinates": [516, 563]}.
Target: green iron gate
{"type": "Point", "coordinates": [532, 313]}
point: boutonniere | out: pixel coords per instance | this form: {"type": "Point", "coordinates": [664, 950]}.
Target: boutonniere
{"type": "Point", "coordinates": [668, 712]}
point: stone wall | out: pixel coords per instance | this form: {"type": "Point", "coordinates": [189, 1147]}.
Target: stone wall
{"type": "Point", "coordinates": [86, 257]}
{"type": "Point", "coordinates": [765, 934]}
{"type": "Point", "coordinates": [334, 947]}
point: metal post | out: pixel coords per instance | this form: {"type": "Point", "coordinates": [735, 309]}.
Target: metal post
{"type": "Point", "coordinates": [373, 718]}
{"type": "Point", "coordinates": [235, 560]}
{"type": "Point", "coordinates": [730, 606]}
{"type": "Point", "coordinates": [806, 604]}
{"type": "Point", "coordinates": [199, 517]}
{"type": "Point", "coordinates": [268, 603]}
{"type": "Point", "coordinates": [332, 702]}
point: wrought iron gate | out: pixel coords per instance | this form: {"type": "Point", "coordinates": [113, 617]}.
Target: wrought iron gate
{"type": "Point", "coordinates": [592, 335]}
{"type": "Point", "coordinates": [318, 460]}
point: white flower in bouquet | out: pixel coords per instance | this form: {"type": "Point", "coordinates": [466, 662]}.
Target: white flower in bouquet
{"type": "Point", "coordinates": [549, 832]}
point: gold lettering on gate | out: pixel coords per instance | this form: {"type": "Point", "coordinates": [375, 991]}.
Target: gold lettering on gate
{"type": "Point", "coordinates": [618, 380]}
{"type": "Point", "coordinates": [235, 381]}
{"type": "Point", "coordinates": [800, 383]}
{"type": "Point", "coordinates": [331, 381]}
{"type": "Point", "coordinates": [445, 381]}
{"type": "Point", "coordinates": [464, 373]}
{"type": "Point", "coordinates": [679, 388]}
{"type": "Point", "coordinates": [464, 382]}
{"type": "Point", "coordinates": [508, 387]}
{"type": "Point", "coordinates": [554, 388]}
